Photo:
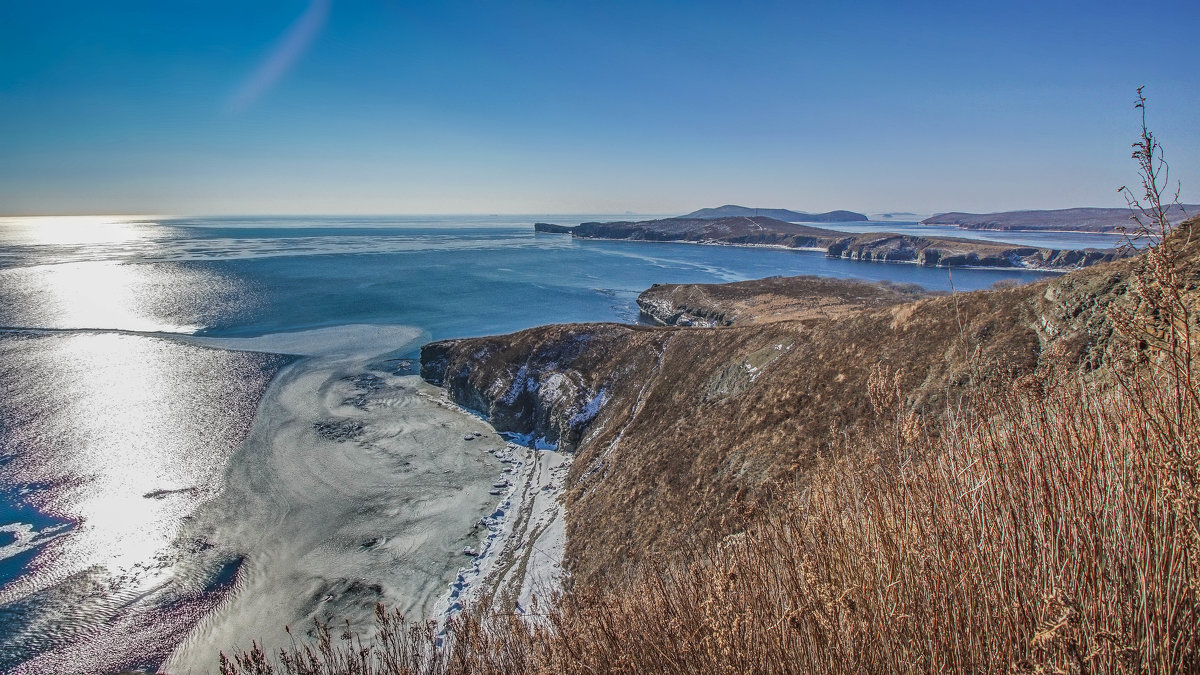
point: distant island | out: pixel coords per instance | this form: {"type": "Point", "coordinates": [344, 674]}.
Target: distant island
{"type": "Point", "coordinates": [551, 228]}
{"type": "Point", "coordinates": [786, 215]}
{"type": "Point", "coordinates": [869, 246]}
{"type": "Point", "coordinates": [1059, 220]}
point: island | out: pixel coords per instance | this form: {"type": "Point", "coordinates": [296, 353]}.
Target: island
{"type": "Point", "coordinates": [839, 216]}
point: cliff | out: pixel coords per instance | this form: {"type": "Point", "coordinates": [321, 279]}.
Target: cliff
{"type": "Point", "coordinates": [546, 383]}
{"type": "Point", "coordinates": [1067, 220]}
{"type": "Point", "coordinates": [732, 210]}
{"type": "Point", "coordinates": [953, 252]}
{"type": "Point", "coordinates": [871, 246]}
{"type": "Point", "coordinates": [681, 435]}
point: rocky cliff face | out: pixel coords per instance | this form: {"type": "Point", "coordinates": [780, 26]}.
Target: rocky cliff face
{"type": "Point", "coordinates": [548, 384]}
{"type": "Point", "coordinates": [950, 252]}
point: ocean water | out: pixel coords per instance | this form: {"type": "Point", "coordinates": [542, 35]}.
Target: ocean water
{"type": "Point", "coordinates": [189, 406]}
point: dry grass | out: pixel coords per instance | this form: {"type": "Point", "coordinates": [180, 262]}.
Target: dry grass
{"type": "Point", "coordinates": [773, 299]}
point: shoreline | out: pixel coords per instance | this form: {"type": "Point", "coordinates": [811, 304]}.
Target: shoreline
{"type": "Point", "coordinates": [523, 541]}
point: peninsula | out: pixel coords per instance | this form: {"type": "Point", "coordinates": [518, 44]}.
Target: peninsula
{"type": "Point", "coordinates": [869, 246]}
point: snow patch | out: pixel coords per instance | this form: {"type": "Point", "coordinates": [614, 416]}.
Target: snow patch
{"type": "Point", "coordinates": [590, 409]}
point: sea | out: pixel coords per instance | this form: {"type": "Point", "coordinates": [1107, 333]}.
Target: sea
{"type": "Point", "coordinates": [176, 456]}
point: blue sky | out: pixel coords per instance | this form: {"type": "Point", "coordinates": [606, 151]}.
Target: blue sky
{"type": "Point", "coordinates": [340, 106]}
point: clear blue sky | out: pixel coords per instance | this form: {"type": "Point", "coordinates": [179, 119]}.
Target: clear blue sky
{"type": "Point", "coordinates": [353, 106]}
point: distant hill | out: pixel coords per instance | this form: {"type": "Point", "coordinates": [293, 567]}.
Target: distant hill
{"type": "Point", "coordinates": [786, 215]}
{"type": "Point", "coordinates": [1063, 220]}
{"type": "Point", "coordinates": [761, 230]}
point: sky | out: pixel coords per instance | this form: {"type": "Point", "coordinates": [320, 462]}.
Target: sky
{"type": "Point", "coordinates": [360, 106]}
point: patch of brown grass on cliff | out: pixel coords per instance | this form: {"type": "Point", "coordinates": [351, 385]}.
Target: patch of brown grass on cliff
{"type": "Point", "coordinates": [698, 463]}
{"type": "Point", "coordinates": [1050, 526]}
{"type": "Point", "coordinates": [782, 298]}
{"type": "Point", "coordinates": [1054, 531]}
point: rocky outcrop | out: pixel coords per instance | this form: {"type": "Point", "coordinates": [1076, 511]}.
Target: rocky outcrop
{"type": "Point", "coordinates": [545, 384]}
{"type": "Point", "coordinates": [551, 228]}
{"type": "Point", "coordinates": [1057, 259]}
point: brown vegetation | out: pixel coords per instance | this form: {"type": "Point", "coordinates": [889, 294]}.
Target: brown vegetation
{"type": "Point", "coordinates": [769, 300]}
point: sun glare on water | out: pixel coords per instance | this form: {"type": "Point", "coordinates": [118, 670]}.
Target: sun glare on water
{"type": "Point", "coordinates": [80, 279]}
{"type": "Point", "coordinates": [60, 230]}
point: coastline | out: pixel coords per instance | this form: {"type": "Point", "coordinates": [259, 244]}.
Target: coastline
{"type": "Point", "coordinates": [811, 249]}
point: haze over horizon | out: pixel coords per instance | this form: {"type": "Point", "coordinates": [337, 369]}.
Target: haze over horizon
{"type": "Point", "coordinates": [321, 106]}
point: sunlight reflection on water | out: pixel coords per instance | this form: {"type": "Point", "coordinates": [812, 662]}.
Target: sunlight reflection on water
{"type": "Point", "coordinates": [141, 430]}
